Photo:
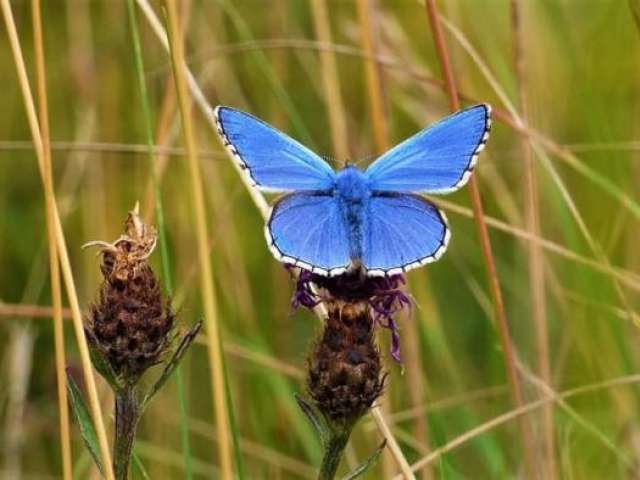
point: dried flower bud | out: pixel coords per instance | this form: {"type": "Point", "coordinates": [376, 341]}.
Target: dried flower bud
{"type": "Point", "coordinates": [131, 323]}
{"type": "Point", "coordinates": [344, 375]}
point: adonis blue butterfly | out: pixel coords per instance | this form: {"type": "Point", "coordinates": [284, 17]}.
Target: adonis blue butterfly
{"type": "Point", "coordinates": [330, 222]}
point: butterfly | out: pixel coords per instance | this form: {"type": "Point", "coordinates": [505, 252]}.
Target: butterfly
{"type": "Point", "coordinates": [330, 222]}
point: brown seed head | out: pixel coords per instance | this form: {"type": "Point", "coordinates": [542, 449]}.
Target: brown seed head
{"type": "Point", "coordinates": [344, 375]}
{"type": "Point", "coordinates": [131, 323]}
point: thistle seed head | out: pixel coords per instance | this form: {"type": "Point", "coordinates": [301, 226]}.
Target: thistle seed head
{"type": "Point", "coordinates": [131, 323]}
{"type": "Point", "coordinates": [344, 374]}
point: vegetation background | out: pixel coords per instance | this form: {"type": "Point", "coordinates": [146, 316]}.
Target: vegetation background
{"type": "Point", "coordinates": [577, 75]}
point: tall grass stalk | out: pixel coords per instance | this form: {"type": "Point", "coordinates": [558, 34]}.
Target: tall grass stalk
{"type": "Point", "coordinates": [159, 211]}
{"type": "Point", "coordinates": [47, 180]}
{"type": "Point", "coordinates": [222, 414]}
{"type": "Point", "coordinates": [535, 258]}
{"type": "Point", "coordinates": [485, 243]}
{"type": "Point", "coordinates": [381, 141]}
{"type": "Point", "coordinates": [373, 78]}
{"type": "Point", "coordinates": [523, 410]}
{"type": "Point", "coordinates": [539, 144]}
{"type": "Point", "coordinates": [331, 82]}
{"type": "Point", "coordinates": [54, 267]}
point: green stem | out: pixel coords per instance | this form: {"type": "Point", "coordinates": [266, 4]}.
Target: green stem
{"type": "Point", "coordinates": [333, 454]}
{"type": "Point", "coordinates": [127, 415]}
{"type": "Point", "coordinates": [162, 232]}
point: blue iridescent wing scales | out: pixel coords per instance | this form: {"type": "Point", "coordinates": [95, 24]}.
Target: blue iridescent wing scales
{"type": "Point", "coordinates": [307, 229]}
{"type": "Point", "coordinates": [271, 160]}
{"type": "Point", "coordinates": [439, 159]}
{"type": "Point", "coordinates": [402, 232]}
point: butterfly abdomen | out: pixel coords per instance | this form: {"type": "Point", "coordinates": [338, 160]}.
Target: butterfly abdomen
{"type": "Point", "coordinates": [353, 194]}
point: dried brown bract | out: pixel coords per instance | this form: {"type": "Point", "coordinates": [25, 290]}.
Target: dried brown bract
{"type": "Point", "coordinates": [344, 375]}
{"type": "Point", "coordinates": [131, 323]}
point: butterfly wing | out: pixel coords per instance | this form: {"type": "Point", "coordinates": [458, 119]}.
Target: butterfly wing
{"type": "Point", "coordinates": [402, 231]}
{"type": "Point", "coordinates": [439, 159]}
{"type": "Point", "coordinates": [272, 160]}
{"type": "Point", "coordinates": [307, 229]}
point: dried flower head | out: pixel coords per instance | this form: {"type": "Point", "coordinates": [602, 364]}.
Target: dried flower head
{"type": "Point", "coordinates": [131, 323]}
{"type": "Point", "coordinates": [344, 374]}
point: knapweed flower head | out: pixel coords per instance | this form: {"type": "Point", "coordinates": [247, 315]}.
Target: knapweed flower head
{"type": "Point", "coordinates": [131, 324]}
{"type": "Point", "coordinates": [382, 297]}
{"type": "Point", "coordinates": [344, 374]}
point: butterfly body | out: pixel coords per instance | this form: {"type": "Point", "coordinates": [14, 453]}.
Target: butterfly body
{"type": "Point", "coordinates": [353, 193]}
{"type": "Point", "coordinates": [330, 222]}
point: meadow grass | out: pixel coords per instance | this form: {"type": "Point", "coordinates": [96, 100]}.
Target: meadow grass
{"type": "Point", "coordinates": [558, 184]}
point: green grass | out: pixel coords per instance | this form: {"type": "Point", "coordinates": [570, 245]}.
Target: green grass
{"type": "Point", "coordinates": [582, 78]}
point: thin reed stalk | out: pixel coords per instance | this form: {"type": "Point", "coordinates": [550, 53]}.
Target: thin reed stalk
{"type": "Point", "coordinates": [381, 140]}
{"type": "Point", "coordinates": [54, 267]}
{"type": "Point", "coordinates": [540, 143]}
{"type": "Point", "coordinates": [162, 232]}
{"type": "Point", "coordinates": [392, 443]}
{"type": "Point", "coordinates": [534, 257]}
{"type": "Point", "coordinates": [517, 413]}
{"type": "Point", "coordinates": [47, 180]}
{"type": "Point", "coordinates": [331, 82]}
{"type": "Point", "coordinates": [222, 414]}
{"type": "Point", "coordinates": [374, 81]}
{"type": "Point", "coordinates": [485, 243]}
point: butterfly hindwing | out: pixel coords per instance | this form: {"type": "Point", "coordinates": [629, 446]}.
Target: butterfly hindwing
{"type": "Point", "coordinates": [439, 159]}
{"type": "Point", "coordinates": [402, 231]}
{"type": "Point", "coordinates": [272, 160]}
{"type": "Point", "coordinates": [307, 229]}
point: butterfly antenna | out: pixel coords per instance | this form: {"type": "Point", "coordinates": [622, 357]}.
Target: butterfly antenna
{"type": "Point", "coordinates": [365, 160]}
{"type": "Point", "coordinates": [332, 160]}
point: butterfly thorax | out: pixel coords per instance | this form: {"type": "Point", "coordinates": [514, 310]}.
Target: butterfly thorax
{"type": "Point", "coordinates": [353, 192]}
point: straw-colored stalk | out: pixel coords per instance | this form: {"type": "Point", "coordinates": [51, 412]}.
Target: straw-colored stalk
{"type": "Point", "coordinates": [54, 267]}
{"type": "Point", "coordinates": [374, 82]}
{"type": "Point", "coordinates": [485, 243]}
{"type": "Point", "coordinates": [381, 140]}
{"type": "Point", "coordinates": [331, 82]}
{"type": "Point", "coordinates": [206, 275]}
{"type": "Point", "coordinates": [535, 258]}
{"type": "Point", "coordinates": [47, 180]}
{"type": "Point", "coordinates": [519, 412]}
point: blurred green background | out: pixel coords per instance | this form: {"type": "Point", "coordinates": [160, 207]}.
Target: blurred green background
{"type": "Point", "coordinates": [581, 76]}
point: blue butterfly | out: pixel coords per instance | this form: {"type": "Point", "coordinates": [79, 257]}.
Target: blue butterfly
{"type": "Point", "coordinates": [330, 222]}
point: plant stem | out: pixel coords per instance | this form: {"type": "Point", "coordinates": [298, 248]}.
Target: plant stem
{"type": "Point", "coordinates": [216, 359]}
{"type": "Point", "coordinates": [127, 416]}
{"type": "Point", "coordinates": [333, 454]}
{"type": "Point", "coordinates": [54, 267]}
{"type": "Point", "coordinates": [485, 244]}
{"type": "Point", "coordinates": [67, 273]}
{"type": "Point", "coordinates": [162, 232]}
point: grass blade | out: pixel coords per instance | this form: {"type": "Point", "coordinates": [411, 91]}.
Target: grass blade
{"type": "Point", "coordinates": [216, 360]}
{"type": "Point", "coordinates": [44, 167]}
{"type": "Point", "coordinates": [81, 414]}
{"type": "Point", "coordinates": [487, 252]}
{"type": "Point", "coordinates": [54, 267]}
{"type": "Point", "coordinates": [162, 232]}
